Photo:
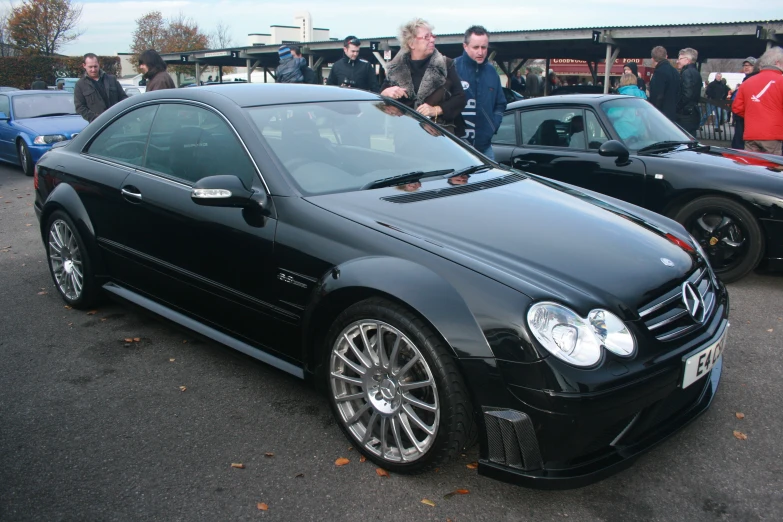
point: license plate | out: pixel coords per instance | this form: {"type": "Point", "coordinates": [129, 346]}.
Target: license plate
{"type": "Point", "coordinates": [700, 364]}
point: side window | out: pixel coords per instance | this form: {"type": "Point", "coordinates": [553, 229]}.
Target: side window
{"type": "Point", "coordinates": [507, 132]}
{"type": "Point", "coordinates": [191, 143]}
{"type": "Point", "coordinates": [125, 138]}
{"type": "Point", "coordinates": [551, 127]}
{"type": "Point", "coordinates": [595, 132]}
{"type": "Point", "coordinates": [4, 105]}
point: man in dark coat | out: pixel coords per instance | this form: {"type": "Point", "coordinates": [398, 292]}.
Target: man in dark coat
{"type": "Point", "coordinates": [351, 71]}
{"type": "Point", "coordinates": [716, 92]}
{"type": "Point", "coordinates": [688, 114]}
{"type": "Point", "coordinates": [531, 82]}
{"type": "Point", "coordinates": [738, 140]}
{"type": "Point", "coordinates": [38, 84]}
{"type": "Point", "coordinates": [665, 84]}
{"type": "Point", "coordinates": [154, 69]}
{"type": "Point", "coordinates": [96, 91]}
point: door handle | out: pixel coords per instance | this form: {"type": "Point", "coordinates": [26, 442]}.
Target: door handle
{"type": "Point", "coordinates": [518, 163]}
{"type": "Point", "coordinates": [127, 193]}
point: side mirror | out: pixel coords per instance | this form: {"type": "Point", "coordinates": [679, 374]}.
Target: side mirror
{"type": "Point", "coordinates": [226, 191]}
{"type": "Point", "coordinates": [4, 116]}
{"type": "Point", "coordinates": [614, 149]}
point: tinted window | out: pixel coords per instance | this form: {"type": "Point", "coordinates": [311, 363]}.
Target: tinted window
{"type": "Point", "coordinates": [191, 143]}
{"type": "Point", "coordinates": [595, 132]}
{"type": "Point", "coordinates": [341, 146]}
{"type": "Point", "coordinates": [125, 139]}
{"type": "Point", "coordinates": [639, 123]}
{"type": "Point", "coordinates": [37, 105]}
{"type": "Point", "coordinates": [4, 105]}
{"type": "Point", "coordinates": [550, 127]}
{"type": "Point", "coordinates": [507, 132]}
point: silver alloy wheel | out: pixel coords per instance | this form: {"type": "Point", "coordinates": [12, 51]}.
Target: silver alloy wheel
{"type": "Point", "coordinates": [384, 391]}
{"type": "Point", "coordinates": [23, 157]}
{"type": "Point", "coordinates": [66, 260]}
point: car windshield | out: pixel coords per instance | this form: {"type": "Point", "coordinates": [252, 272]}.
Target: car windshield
{"type": "Point", "coordinates": [639, 124]}
{"type": "Point", "coordinates": [343, 146]}
{"type": "Point", "coordinates": [39, 105]}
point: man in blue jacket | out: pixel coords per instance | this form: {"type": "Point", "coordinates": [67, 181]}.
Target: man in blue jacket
{"type": "Point", "coordinates": [481, 83]}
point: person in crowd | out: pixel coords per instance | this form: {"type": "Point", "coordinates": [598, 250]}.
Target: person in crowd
{"type": "Point", "coordinates": [517, 83]}
{"type": "Point", "coordinates": [664, 84]}
{"type": "Point", "coordinates": [153, 68]}
{"type": "Point", "coordinates": [552, 80]}
{"type": "Point", "coordinates": [351, 71]}
{"type": "Point", "coordinates": [290, 68]}
{"type": "Point", "coordinates": [629, 86]}
{"type": "Point", "coordinates": [716, 93]}
{"type": "Point", "coordinates": [307, 73]}
{"type": "Point", "coordinates": [738, 140]}
{"type": "Point", "coordinates": [38, 84]}
{"type": "Point", "coordinates": [61, 86]}
{"type": "Point", "coordinates": [96, 91]}
{"type": "Point", "coordinates": [486, 101]}
{"type": "Point", "coordinates": [688, 115]}
{"type": "Point", "coordinates": [425, 80]}
{"type": "Point", "coordinates": [209, 78]}
{"type": "Point", "coordinates": [760, 102]}
{"type": "Point", "coordinates": [632, 68]}
{"type": "Point", "coordinates": [531, 82]}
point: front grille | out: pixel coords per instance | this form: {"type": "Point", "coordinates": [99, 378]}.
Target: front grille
{"type": "Point", "coordinates": [667, 318]}
{"type": "Point", "coordinates": [454, 191]}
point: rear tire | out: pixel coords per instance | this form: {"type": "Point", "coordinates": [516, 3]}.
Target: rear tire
{"type": "Point", "coordinates": [69, 262]}
{"type": "Point", "coordinates": [728, 232]}
{"type": "Point", "coordinates": [400, 400]}
{"type": "Point", "coordinates": [25, 160]}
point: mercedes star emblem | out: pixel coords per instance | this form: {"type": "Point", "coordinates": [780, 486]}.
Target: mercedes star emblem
{"type": "Point", "coordinates": [693, 302]}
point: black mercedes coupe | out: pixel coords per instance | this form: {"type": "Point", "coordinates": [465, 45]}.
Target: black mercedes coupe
{"type": "Point", "coordinates": [731, 201]}
{"type": "Point", "coordinates": [435, 297]}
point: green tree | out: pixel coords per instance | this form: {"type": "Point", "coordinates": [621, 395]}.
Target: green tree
{"type": "Point", "coordinates": [43, 26]}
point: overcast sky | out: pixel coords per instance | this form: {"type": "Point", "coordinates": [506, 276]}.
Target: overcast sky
{"type": "Point", "coordinates": [109, 24]}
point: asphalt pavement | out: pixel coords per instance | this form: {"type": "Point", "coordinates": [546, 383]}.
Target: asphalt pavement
{"type": "Point", "coordinates": [96, 428]}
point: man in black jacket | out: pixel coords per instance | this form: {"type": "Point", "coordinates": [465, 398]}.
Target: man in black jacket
{"type": "Point", "coordinates": [351, 71]}
{"type": "Point", "coordinates": [716, 92]}
{"type": "Point", "coordinates": [664, 84]}
{"type": "Point", "coordinates": [688, 115]}
{"type": "Point", "coordinates": [738, 140]}
{"type": "Point", "coordinates": [96, 91]}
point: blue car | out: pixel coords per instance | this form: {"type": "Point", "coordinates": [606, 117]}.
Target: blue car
{"type": "Point", "coordinates": [31, 121]}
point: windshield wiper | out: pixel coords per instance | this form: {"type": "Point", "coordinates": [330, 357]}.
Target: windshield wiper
{"type": "Point", "coordinates": [55, 114]}
{"type": "Point", "coordinates": [666, 145]}
{"type": "Point", "coordinates": [408, 177]}
{"type": "Point", "coordinates": [472, 170]}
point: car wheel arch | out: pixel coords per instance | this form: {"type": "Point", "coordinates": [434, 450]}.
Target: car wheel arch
{"type": "Point", "coordinates": [680, 200]}
{"type": "Point", "coordinates": [357, 280]}
{"type": "Point", "coordinates": [63, 197]}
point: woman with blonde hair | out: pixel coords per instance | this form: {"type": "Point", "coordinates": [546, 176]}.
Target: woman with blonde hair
{"type": "Point", "coordinates": [629, 86]}
{"type": "Point", "coordinates": [425, 80]}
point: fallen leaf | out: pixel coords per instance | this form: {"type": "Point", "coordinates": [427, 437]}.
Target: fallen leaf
{"type": "Point", "coordinates": [262, 506]}
{"type": "Point", "coordinates": [28, 224]}
{"type": "Point", "coordinates": [183, 388]}
{"type": "Point", "coordinates": [350, 448]}
{"type": "Point", "coordinates": [341, 461]}
{"type": "Point", "coordinates": [362, 458]}
{"type": "Point", "coordinates": [299, 475]}
{"type": "Point", "coordinates": [381, 472]}
{"type": "Point", "coordinates": [128, 340]}
{"type": "Point", "coordinates": [739, 435]}
{"type": "Point", "coordinates": [269, 454]}
{"type": "Point", "coordinates": [136, 339]}
{"type": "Point", "coordinates": [103, 319]}
{"type": "Point", "coordinates": [42, 293]}
{"type": "Point", "coordinates": [740, 415]}
{"type": "Point", "coordinates": [472, 465]}
{"type": "Point", "coordinates": [463, 491]}
{"type": "Point", "coordinates": [771, 330]}
{"type": "Point", "coordinates": [67, 307]}
{"type": "Point", "coordinates": [428, 502]}
{"type": "Point", "coordinates": [92, 312]}
{"type": "Point", "coordinates": [171, 360]}
{"type": "Point", "coordinates": [237, 465]}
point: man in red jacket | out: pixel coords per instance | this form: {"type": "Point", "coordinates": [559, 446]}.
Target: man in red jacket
{"type": "Point", "coordinates": [760, 101]}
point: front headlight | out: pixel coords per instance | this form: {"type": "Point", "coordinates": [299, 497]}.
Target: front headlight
{"type": "Point", "coordinates": [48, 139]}
{"type": "Point", "coordinates": [578, 340]}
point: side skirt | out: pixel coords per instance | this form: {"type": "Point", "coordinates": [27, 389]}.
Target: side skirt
{"type": "Point", "coordinates": [204, 330]}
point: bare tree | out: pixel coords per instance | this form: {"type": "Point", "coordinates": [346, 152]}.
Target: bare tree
{"type": "Point", "coordinates": [221, 36]}
{"type": "Point", "coordinates": [5, 35]}
{"type": "Point", "coordinates": [43, 26]}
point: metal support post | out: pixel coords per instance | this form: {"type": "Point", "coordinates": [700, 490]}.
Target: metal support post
{"type": "Point", "coordinates": [220, 73]}
{"type": "Point", "coordinates": [198, 74]}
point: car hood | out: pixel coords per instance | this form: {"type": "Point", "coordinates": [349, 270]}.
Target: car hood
{"type": "Point", "coordinates": [68, 125]}
{"type": "Point", "coordinates": [749, 162]}
{"type": "Point", "coordinates": [546, 240]}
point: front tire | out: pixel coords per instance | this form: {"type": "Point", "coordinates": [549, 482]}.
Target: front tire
{"type": "Point", "coordinates": [728, 232]}
{"type": "Point", "coordinates": [25, 160]}
{"type": "Point", "coordinates": [395, 388]}
{"type": "Point", "coordinates": [69, 262]}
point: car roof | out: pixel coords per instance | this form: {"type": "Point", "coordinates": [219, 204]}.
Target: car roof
{"type": "Point", "coordinates": [254, 94]}
{"type": "Point", "coordinates": [580, 99]}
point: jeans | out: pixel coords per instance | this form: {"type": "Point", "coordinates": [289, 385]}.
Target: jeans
{"type": "Point", "coordinates": [489, 153]}
{"type": "Point", "coordinates": [718, 112]}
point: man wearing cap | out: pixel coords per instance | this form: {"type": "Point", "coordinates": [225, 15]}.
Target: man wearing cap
{"type": "Point", "coordinates": [738, 140]}
{"type": "Point", "coordinates": [290, 68]}
{"type": "Point", "coordinates": [351, 71]}
{"type": "Point", "coordinates": [760, 101]}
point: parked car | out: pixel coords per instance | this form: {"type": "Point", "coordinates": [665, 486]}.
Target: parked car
{"type": "Point", "coordinates": [432, 295]}
{"type": "Point", "coordinates": [133, 90]}
{"type": "Point", "coordinates": [731, 201]}
{"type": "Point", "coordinates": [30, 122]}
{"type": "Point", "coordinates": [4, 89]}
